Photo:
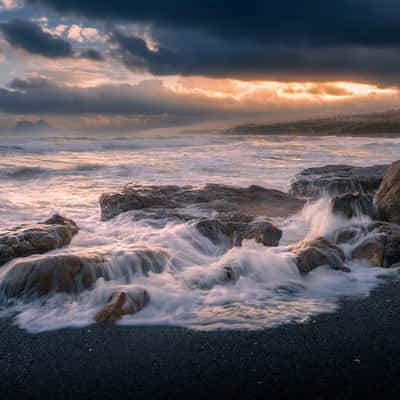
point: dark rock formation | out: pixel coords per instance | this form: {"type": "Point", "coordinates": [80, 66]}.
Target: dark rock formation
{"type": "Point", "coordinates": [354, 204]}
{"type": "Point", "coordinates": [123, 303]}
{"type": "Point", "coordinates": [336, 180]}
{"type": "Point", "coordinates": [387, 199]}
{"type": "Point", "coordinates": [317, 252]}
{"type": "Point", "coordinates": [254, 200]}
{"type": "Point", "coordinates": [23, 241]}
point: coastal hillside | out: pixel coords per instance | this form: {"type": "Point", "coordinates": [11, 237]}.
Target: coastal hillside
{"type": "Point", "coordinates": [384, 123]}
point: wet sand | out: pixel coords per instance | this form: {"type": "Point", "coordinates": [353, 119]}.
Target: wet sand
{"type": "Point", "coordinates": [353, 353]}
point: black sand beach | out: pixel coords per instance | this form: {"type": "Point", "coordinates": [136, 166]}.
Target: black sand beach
{"type": "Point", "coordinates": [354, 353]}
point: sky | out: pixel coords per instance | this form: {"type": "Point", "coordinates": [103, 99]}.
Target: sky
{"type": "Point", "coordinates": [127, 65]}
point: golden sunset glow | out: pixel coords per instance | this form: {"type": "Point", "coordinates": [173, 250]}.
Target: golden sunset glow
{"type": "Point", "coordinates": [309, 91]}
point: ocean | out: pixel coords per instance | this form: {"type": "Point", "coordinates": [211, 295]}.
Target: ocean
{"type": "Point", "coordinates": [43, 174]}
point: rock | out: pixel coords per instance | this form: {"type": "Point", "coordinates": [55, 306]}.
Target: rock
{"type": "Point", "coordinates": [262, 232]}
{"type": "Point", "coordinates": [371, 250]}
{"type": "Point", "coordinates": [123, 303]}
{"type": "Point", "coordinates": [392, 251]}
{"type": "Point", "coordinates": [336, 180]}
{"type": "Point", "coordinates": [387, 198]}
{"type": "Point", "coordinates": [26, 240]}
{"type": "Point", "coordinates": [349, 234]}
{"type": "Point", "coordinates": [218, 232]}
{"type": "Point", "coordinates": [354, 204]}
{"type": "Point", "coordinates": [317, 252]}
{"type": "Point", "coordinates": [74, 272]}
{"type": "Point", "coordinates": [254, 200]}
{"type": "Point", "coordinates": [212, 229]}
{"type": "Point", "coordinates": [42, 275]}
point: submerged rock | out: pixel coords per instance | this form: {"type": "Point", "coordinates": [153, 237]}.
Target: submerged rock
{"type": "Point", "coordinates": [26, 240]}
{"type": "Point", "coordinates": [387, 199]}
{"type": "Point", "coordinates": [123, 303]}
{"type": "Point", "coordinates": [314, 253]}
{"type": "Point", "coordinates": [226, 200]}
{"type": "Point", "coordinates": [354, 204]}
{"type": "Point", "coordinates": [336, 180]}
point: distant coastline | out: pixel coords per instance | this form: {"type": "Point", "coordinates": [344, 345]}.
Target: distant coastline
{"type": "Point", "coordinates": [383, 124]}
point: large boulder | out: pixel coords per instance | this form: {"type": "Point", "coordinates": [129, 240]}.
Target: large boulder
{"type": "Point", "coordinates": [253, 200]}
{"type": "Point", "coordinates": [387, 198]}
{"type": "Point", "coordinates": [123, 303]}
{"type": "Point", "coordinates": [336, 180]}
{"type": "Point", "coordinates": [74, 272]}
{"type": "Point", "coordinates": [39, 238]}
{"type": "Point", "coordinates": [42, 275]}
{"type": "Point", "coordinates": [354, 204]}
{"type": "Point", "coordinates": [314, 253]}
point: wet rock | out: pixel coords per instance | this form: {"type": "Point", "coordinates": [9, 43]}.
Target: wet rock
{"type": "Point", "coordinates": [262, 232]}
{"type": "Point", "coordinates": [123, 303]}
{"type": "Point", "coordinates": [349, 234]}
{"type": "Point", "coordinates": [317, 252]}
{"type": "Point", "coordinates": [212, 229]}
{"type": "Point", "coordinates": [336, 180]}
{"type": "Point", "coordinates": [253, 200]}
{"type": "Point", "coordinates": [371, 250]}
{"type": "Point", "coordinates": [39, 238]}
{"type": "Point", "coordinates": [354, 204]}
{"type": "Point", "coordinates": [392, 251]}
{"type": "Point", "coordinates": [74, 272]}
{"type": "Point", "coordinates": [42, 275]}
{"type": "Point", "coordinates": [387, 198]}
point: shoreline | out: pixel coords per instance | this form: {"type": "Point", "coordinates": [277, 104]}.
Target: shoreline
{"type": "Point", "coordinates": [352, 353]}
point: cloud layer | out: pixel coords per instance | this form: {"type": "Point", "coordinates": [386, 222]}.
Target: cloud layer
{"type": "Point", "coordinates": [33, 39]}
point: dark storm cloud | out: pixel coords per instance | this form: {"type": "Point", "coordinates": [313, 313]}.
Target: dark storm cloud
{"type": "Point", "coordinates": [339, 22]}
{"type": "Point", "coordinates": [39, 95]}
{"type": "Point", "coordinates": [33, 39]}
{"type": "Point", "coordinates": [201, 54]}
{"type": "Point", "coordinates": [287, 39]}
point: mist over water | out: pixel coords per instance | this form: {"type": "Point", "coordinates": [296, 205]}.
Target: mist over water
{"type": "Point", "coordinates": [44, 174]}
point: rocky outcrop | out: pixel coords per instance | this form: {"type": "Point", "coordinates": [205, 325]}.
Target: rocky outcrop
{"type": "Point", "coordinates": [26, 240]}
{"type": "Point", "coordinates": [225, 200]}
{"type": "Point", "coordinates": [123, 303]}
{"type": "Point", "coordinates": [336, 180]}
{"type": "Point", "coordinates": [352, 205]}
{"type": "Point", "coordinates": [387, 199]}
{"type": "Point", "coordinates": [314, 253]}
